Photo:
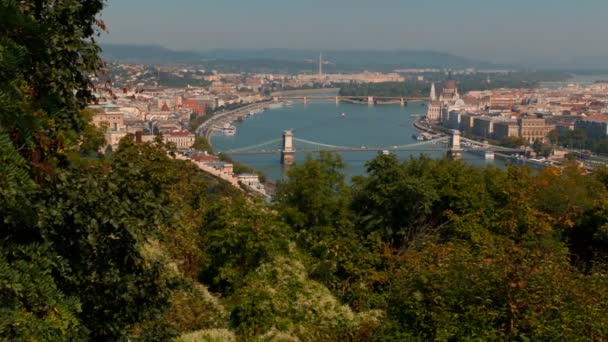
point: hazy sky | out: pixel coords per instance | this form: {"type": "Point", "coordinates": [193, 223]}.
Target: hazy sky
{"type": "Point", "coordinates": [499, 30]}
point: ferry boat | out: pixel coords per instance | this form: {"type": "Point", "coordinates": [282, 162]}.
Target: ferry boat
{"type": "Point", "coordinates": [228, 129]}
{"type": "Point", "coordinates": [423, 136]}
{"type": "Point", "coordinates": [256, 111]}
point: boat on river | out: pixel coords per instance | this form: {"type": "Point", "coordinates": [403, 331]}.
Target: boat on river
{"type": "Point", "coordinates": [228, 129]}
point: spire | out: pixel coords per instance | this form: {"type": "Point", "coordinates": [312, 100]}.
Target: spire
{"type": "Point", "coordinates": [433, 94]}
{"type": "Point", "coordinates": [320, 64]}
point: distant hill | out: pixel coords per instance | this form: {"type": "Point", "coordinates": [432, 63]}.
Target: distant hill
{"type": "Point", "coordinates": [147, 54]}
{"type": "Point", "coordinates": [292, 60]}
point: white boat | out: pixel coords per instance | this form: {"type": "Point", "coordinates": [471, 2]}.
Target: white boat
{"type": "Point", "coordinates": [275, 105]}
{"type": "Point", "coordinates": [343, 115]}
{"type": "Point", "coordinates": [228, 129]}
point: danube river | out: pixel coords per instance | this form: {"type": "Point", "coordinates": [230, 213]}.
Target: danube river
{"type": "Point", "coordinates": [325, 122]}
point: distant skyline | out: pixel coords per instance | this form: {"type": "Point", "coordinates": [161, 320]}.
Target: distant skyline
{"type": "Point", "coordinates": [498, 30]}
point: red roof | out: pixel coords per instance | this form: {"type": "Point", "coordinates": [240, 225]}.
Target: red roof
{"type": "Point", "coordinates": [205, 158]}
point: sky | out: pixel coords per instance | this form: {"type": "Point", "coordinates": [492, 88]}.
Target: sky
{"type": "Point", "coordinates": [492, 30]}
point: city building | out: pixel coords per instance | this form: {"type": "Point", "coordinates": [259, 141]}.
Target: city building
{"type": "Point", "coordinates": [434, 111]}
{"type": "Point", "coordinates": [533, 128]}
{"type": "Point", "coordinates": [483, 126]}
{"type": "Point", "coordinates": [505, 129]}
{"type": "Point", "coordinates": [467, 122]}
{"type": "Point", "coordinates": [195, 106]}
{"type": "Point", "coordinates": [182, 139]}
{"type": "Point", "coordinates": [449, 93]}
{"type": "Point", "coordinates": [110, 120]}
{"type": "Point", "coordinates": [596, 128]}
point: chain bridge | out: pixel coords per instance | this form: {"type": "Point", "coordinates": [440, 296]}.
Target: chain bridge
{"type": "Point", "coordinates": [453, 144]}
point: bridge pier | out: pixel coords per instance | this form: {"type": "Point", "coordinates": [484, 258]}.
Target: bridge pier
{"type": "Point", "coordinates": [370, 101]}
{"type": "Point", "coordinates": [402, 101]}
{"type": "Point", "coordinates": [305, 99]}
{"type": "Point", "coordinates": [337, 100]}
{"type": "Point", "coordinates": [287, 152]}
{"type": "Point", "coordinates": [454, 152]}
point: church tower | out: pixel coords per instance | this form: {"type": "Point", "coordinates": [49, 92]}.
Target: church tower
{"type": "Point", "coordinates": [433, 92]}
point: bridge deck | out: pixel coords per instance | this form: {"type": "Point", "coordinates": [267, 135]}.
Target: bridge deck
{"type": "Point", "coordinates": [350, 97]}
{"type": "Point", "coordinates": [370, 149]}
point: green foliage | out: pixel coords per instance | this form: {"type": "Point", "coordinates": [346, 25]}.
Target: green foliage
{"type": "Point", "coordinates": [92, 138]}
{"type": "Point", "coordinates": [238, 236]}
{"type": "Point", "coordinates": [83, 215]}
{"type": "Point", "coordinates": [209, 335]}
{"type": "Point", "coordinates": [542, 149]}
{"type": "Point", "coordinates": [32, 306]}
{"type": "Point", "coordinates": [202, 144]}
{"type": "Point", "coordinates": [499, 291]}
{"type": "Point", "coordinates": [279, 295]}
{"type": "Point", "coordinates": [403, 201]}
{"type": "Point", "coordinates": [316, 194]}
{"type": "Point", "coordinates": [514, 142]}
{"type": "Point", "coordinates": [194, 308]}
{"type": "Point", "coordinates": [47, 52]}
{"type": "Point", "coordinates": [13, 168]}
{"type": "Point", "coordinates": [315, 202]}
{"type": "Point", "coordinates": [578, 139]}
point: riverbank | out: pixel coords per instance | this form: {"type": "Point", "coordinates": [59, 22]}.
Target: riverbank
{"type": "Point", "coordinates": [206, 128]}
{"type": "Point", "coordinates": [517, 160]}
{"type": "Point", "coordinates": [305, 92]}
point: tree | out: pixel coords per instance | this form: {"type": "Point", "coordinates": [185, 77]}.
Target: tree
{"type": "Point", "coordinates": [48, 52]}
{"type": "Point", "coordinates": [405, 201]}
{"type": "Point", "coordinates": [514, 142]}
{"type": "Point", "coordinates": [202, 144]}
{"type": "Point", "coordinates": [279, 298]}
{"type": "Point", "coordinates": [316, 194]}
{"type": "Point", "coordinates": [542, 149]}
{"type": "Point", "coordinates": [238, 236]}
{"type": "Point", "coordinates": [554, 137]}
{"type": "Point", "coordinates": [95, 233]}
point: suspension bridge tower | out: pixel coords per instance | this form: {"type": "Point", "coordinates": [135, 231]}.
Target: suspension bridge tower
{"type": "Point", "coordinates": [287, 151]}
{"type": "Point", "coordinates": [454, 151]}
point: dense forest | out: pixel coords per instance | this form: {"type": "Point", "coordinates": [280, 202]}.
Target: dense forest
{"type": "Point", "coordinates": [140, 246]}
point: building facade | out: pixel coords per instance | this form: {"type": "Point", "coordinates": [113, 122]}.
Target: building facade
{"type": "Point", "coordinates": [434, 111]}
{"type": "Point", "coordinates": [111, 121]}
{"type": "Point", "coordinates": [505, 129]}
{"type": "Point", "coordinates": [182, 139]}
{"type": "Point", "coordinates": [595, 129]}
{"type": "Point", "coordinates": [532, 129]}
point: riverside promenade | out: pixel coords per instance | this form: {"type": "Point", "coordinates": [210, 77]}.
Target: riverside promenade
{"type": "Point", "coordinates": [219, 119]}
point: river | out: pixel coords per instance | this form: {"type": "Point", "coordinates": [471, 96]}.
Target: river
{"type": "Point", "coordinates": [322, 121]}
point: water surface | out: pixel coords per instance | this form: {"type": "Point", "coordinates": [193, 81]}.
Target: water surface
{"type": "Point", "coordinates": [322, 121]}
